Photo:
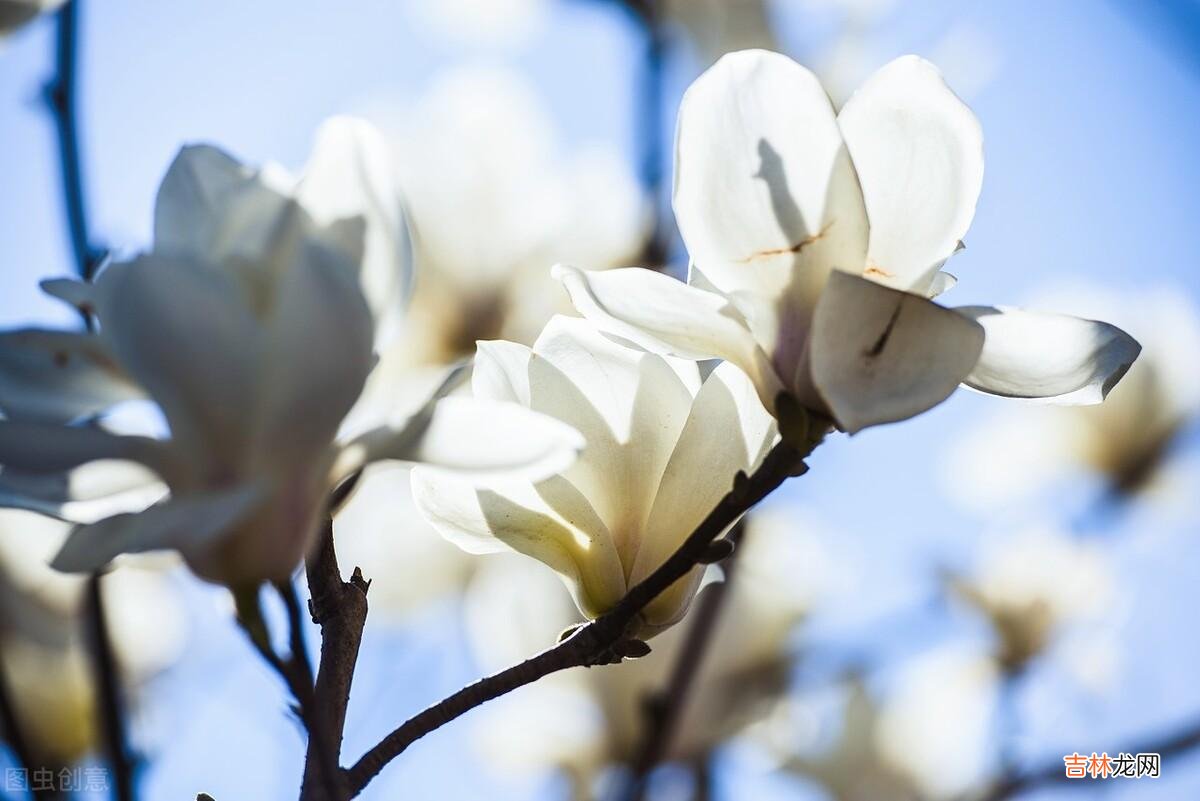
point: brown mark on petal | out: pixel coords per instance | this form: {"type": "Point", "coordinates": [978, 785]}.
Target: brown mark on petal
{"type": "Point", "coordinates": [61, 358]}
{"type": "Point", "coordinates": [875, 271]}
{"type": "Point", "coordinates": [796, 248]}
{"type": "Point", "coordinates": [881, 343]}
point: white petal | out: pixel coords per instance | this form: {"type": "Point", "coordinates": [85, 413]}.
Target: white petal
{"type": "Point", "coordinates": [667, 316]}
{"type": "Point", "coordinates": [728, 430]}
{"type": "Point", "coordinates": [918, 151]}
{"type": "Point", "coordinates": [316, 357]}
{"type": "Point", "coordinates": [45, 448]}
{"type": "Point", "coordinates": [351, 174]}
{"type": "Point", "coordinates": [177, 523]}
{"type": "Point", "coordinates": [58, 376]}
{"type": "Point", "coordinates": [191, 209]}
{"type": "Point", "coordinates": [552, 523]}
{"type": "Point", "coordinates": [628, 404]}
{"type": "Point", "coordinates": [78, 294]}
{"type": "Point", "coordinates": [942, 281]}
{"type": "Point", "coordinates": [185, 332]}
{"type": "Point", "coordinates": [84, 494]}
{"type": "Point", "coordinates": [501, 372]}
{"type": "Point", "coordinates": [879, 355]}
{"type": "Point", "coordinates": [765, 194]}
{"type": "Point", "coordinates": [1049, 357]}
{"type": "Point", "coordinates": [476, 438]}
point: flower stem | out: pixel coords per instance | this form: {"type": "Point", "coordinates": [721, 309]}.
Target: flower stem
{"type": "Point", "coordinates": [601, 641]}
{"type": "Point", "coordinates": [109, 692]}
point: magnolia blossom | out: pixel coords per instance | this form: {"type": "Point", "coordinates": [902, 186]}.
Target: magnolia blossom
{"type": "Point", "coordinates": [495, 198]}
{"type": "Point", "coordinates": [1037, 584]}
{"type": "Point", "coordinates": [610, 519]}
{"type": "Point", "coordinates": [816, 241]}
{"type": "Point", "coordinates": [43, 650]}
{"type": "Point", "coordinates": [580, 722]}
{"type": "Point", "coordinates": [252, 326]}
{"type": "Point", "coordinates": [15, 13]}
{"type": "Point", "coordinates": [1129, 442]}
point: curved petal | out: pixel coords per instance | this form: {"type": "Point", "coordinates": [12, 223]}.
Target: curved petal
{"type": "Point", "coordinates": [185, 522]}
{"type": "Point", "coordinates": [77, 294]}
{"type": "Point", "coordinates": [765, 194]}
{"type": "Point", "coordinates": [475, 438]}
{"type": "Point", "coordinates": [351, 174]}
{"type": "Point", "coordinates": [918, 151]}
{"type": "Point", "coordinates": [46, 448]}
{"type": "Point", "coordinates": [185, 332]}
{"type": "Point", "coordinates": [667, 316]}
{"type": "Point", "coordinates": [568, 537]}
{"type": "Point", "coordinates": [700, 472]}
{"type": "Point", "coordinates": [191, 208]}
{"type": "Point", "coordinates": [84, 494]}
{"type": "Point", "coordinates": [628, 404]}
{"type": "Point", "coordinates": [501, 372]}
{"type": "Point", "coordinates": [879, 355]}
{"type": "Point", "coordinates": [58, 376]}
{"type": "Point", "coordinates": [317, 353]}
{"type": "Point", "coordinates": [1053, 358]}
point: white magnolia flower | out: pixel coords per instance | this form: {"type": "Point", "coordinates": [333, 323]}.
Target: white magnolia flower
{"type": "Point", "coordinates": [43, 651]}
{"type": "Point", "coordinates": [651, 470]}
{"type": "Point", "coordinates": [773, 193]}
{"type": "Point", "coordinates": [495, 199]}
{"type": "Point", "coordinates": [15, 13]}
{"type": "Point", "coordinates": [1128, 442]}
{"type": "Point", "coordinates": [1035, 585]}
{"type": "Point", "coordinates": [252, 325]}
{"type": "Point", "coordinates": [938, 725]}
{"type": "Point", "coordinates": [583, 721]}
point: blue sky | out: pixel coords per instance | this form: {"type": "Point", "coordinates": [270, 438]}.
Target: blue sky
{"type": "Point", "coordinates": [1091, 120]}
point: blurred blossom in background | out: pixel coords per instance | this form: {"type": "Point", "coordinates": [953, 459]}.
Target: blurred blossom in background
{"type": "Point", "coordinates": [989, 585]}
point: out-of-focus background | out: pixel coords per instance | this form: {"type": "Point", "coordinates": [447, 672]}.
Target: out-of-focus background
{"type": "Point", "coordinates": [938, 605]}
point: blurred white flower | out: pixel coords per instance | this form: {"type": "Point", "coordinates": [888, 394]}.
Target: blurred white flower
{"type": "Point", "coordinates": [651, 470]}
{"type": "Point", "coordinates": [582, 721]}
{"type": "Point", "coordinates": [1034, 585]}
{"type": "Point", "coordinates": [938, 724]}
{"type": "Point", "coordinates": [790, 283]}
{"type": "Point", "coordinates": [15, 13]}
{"type": "Point", "coordinates": [43, 652]}
{"type": "Point", "coordinates": [252, 325]}
{"type": "Point", "coordinates": [1127, 441]}
{"type": "Point", "coordinates": [495, 200]}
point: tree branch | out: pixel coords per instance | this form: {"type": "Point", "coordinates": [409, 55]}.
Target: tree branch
{"type": "Point", "coordinates": [604, 640]}
{"type": "Point", "coordinates": [340, 609]}
{"type": "Point", "coordinates": [109, 692]}
{"type": "Point", "coordinates": [61, 97]}
{"type": "Point", "coordinates": [665, 708]}
{"type": "Point", "coordinates": [1054, 773]}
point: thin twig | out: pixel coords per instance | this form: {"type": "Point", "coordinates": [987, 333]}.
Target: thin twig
{"type": "Point", "coordinates": [62, 98]}
{"type": "Point", "coordinates": [665, 709]}
{"type": "Point", "coordinates": [340, 609]}
{"type": "Point", "coordinates": [603, 640]}
{"type": "Point", "coordinates": [109, 692]}
{"type": "Point", "coordinates": [1054, 773]}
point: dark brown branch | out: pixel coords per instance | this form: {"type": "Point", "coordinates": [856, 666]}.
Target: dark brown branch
{"type": "Point", "coordinates": [603, 640]}
{"type": "Point", "coordinates": [61, 96]}
{"type": "Point", "coordinates": [108, 691]}
{"type": "Point", "coordinates": [1054, 773]}
{"type": "Point", "coordinates": [665, 708]}
{"type": "Point", "coordinates": [340, 609]}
